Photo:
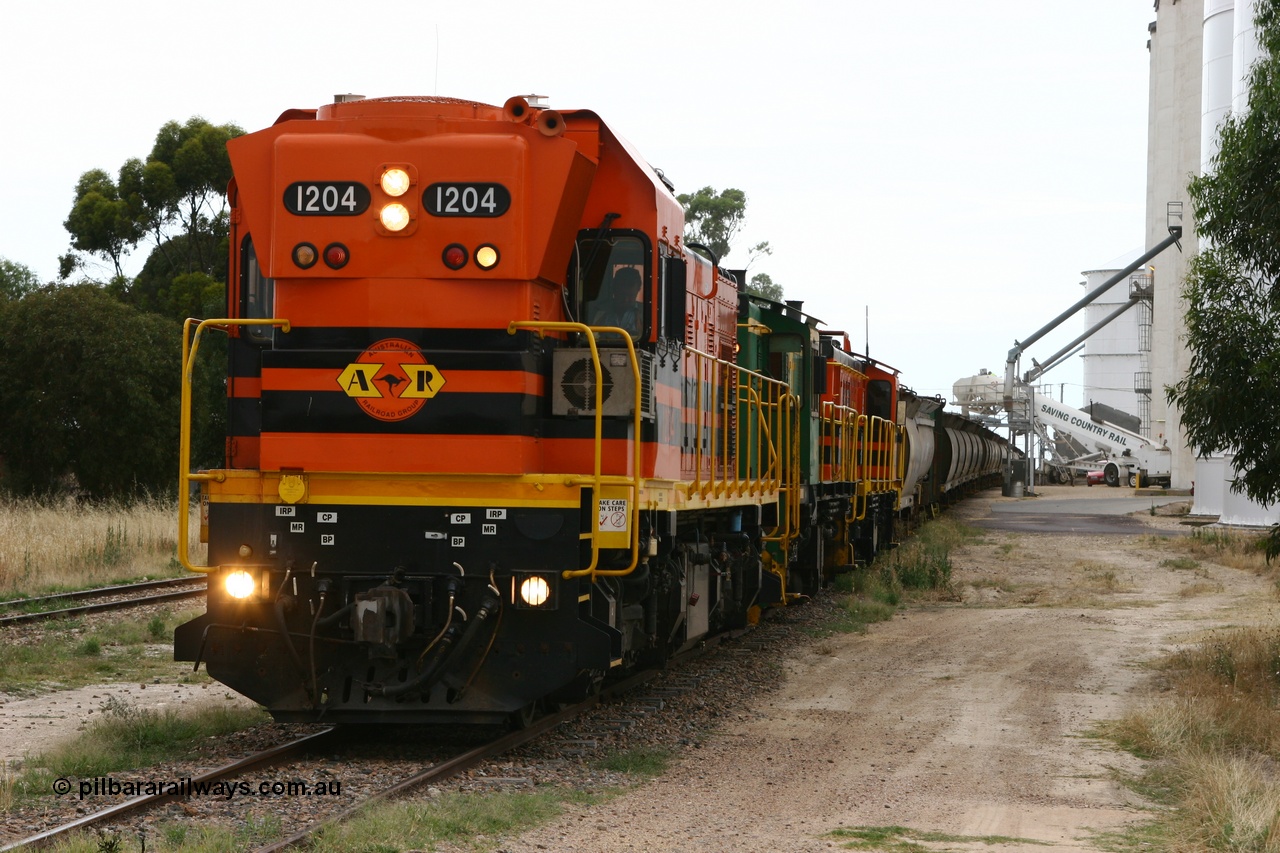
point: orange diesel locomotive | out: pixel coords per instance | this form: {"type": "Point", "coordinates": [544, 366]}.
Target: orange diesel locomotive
{"type": "Point", "coordinates": [493, 436]}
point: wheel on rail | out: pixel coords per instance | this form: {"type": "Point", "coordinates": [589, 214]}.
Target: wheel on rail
{"type": "Point", "coordinates": [524, 717]}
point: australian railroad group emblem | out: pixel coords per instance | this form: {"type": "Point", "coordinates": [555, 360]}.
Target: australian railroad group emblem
{"type": "Point", "coordinates": [391, 380]}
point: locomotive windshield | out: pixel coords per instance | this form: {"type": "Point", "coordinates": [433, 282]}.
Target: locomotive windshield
{"type": "Point", "coordinates": [610, 276]}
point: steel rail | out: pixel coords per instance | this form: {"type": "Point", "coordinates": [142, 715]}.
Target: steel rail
{"type": "Point", "coordinates": [465, 761]}
{"type": "Point", "coordinates": [118, 604]}
{"type": "Point", "coordinates": [76, 595]}
{"type": "Point", "coordinates": [265, 758]}
{"type": "Point", "coordinates": [440, 771]}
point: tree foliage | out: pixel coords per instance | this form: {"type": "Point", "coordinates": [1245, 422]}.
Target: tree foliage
{"type": "Point", "coordinates": [763, 285]}
{"type": "Point", "coordinates": [1230, 396]}
{"type": "Point", "coordinates": [101, 222]}
{"type": "Point", "coordinates": [16, 280]}
{"type": "Point", "coordinates": [712, 218]}
{"type": "Point", "coordinates": [176, 198]}
{"type": "Point", "coordinates": [91, 396]}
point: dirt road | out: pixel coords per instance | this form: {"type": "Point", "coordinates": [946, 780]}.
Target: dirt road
{"type": "Point", "coordinates": [969, 720]}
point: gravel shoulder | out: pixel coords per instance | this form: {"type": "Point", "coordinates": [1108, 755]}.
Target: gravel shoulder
{"type": "Point", "coordinates": [969, 719]}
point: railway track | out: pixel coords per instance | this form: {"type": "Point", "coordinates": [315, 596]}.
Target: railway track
{"type": "Point", "coordinates": [258, 760]}
{"type": "Point", "coordinates": [296, 749]}
{"type": "Point", "coordinates": [101, 599]}
{"type": "Point", "coordinates": [436, 772]}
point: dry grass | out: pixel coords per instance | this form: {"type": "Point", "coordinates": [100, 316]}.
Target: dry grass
{"type": "Point", "coordinates": [1198, 588]}
{"type": "Point", "coordinates": [51, 546]}
{"type": "Point", "coordinates": [1100, 577]}
{"type": "Point", "coordinates": [1214, 748]}
{"type": "Point", "coordinates": [1234, 549]}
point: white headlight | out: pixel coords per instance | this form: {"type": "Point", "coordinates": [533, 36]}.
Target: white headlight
{"type": "Point", "coordinates": [535, 591]}
{"type": "Point", "coordinates": [394, 216]}
{"type": "Point", "coordinates": [395, 182]}
{"type": "Point", "coordinates": [239, 584]}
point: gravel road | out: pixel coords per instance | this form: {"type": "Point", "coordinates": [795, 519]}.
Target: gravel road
{"type": "Point", "coordinates": [968, 719]}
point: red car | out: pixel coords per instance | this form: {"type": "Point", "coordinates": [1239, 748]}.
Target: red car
{"type": "Point", "coordinates": [1094, 477]}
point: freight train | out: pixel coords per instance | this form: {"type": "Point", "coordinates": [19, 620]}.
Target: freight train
{"type": "Point", "coordinates": [498, 433]}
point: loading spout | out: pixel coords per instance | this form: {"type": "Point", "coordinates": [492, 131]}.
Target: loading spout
{"type": "Point", "coordinates": [1055, 359]}
{"type": "Point", "coordinates": [1175, 237]}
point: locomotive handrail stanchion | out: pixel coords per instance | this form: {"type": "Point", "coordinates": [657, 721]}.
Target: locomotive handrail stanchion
{"type": "Point", "coordinates": [750, 437]}
{"type": "Point", "coordinates": [789, 468]}
{"type": "Point", "coordinates": [190, 345]}
{"type": "Point", "coordinates": [900, 457]}
{"type": "Point", "coordinates": [695, 486]}
{"type": "Point", "coordinates": [718, 486]}
{"type": "Point", "coordinates": [727, 418]}
{"type": "Point", "coordinates": [864, 483]}
{"type": "Point", "coordinates": [598, 479]}
{"type": "Point", "coordinates": [763, 441]}
{"type": "Point", "coordinates": [758, 477]}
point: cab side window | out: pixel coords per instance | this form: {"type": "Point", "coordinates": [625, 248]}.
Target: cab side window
{"type": "Point", "coordinates": [257, 295]}
{"type": "Point", "coordinates": [610, 282]}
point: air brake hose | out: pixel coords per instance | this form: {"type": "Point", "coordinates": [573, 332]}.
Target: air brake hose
{"type": "Point", "coordinates": [489, 605]}
{"type": "Point", "coordinates": [428, 677]}
{"type": "Point", "coordinates": [283, 603]}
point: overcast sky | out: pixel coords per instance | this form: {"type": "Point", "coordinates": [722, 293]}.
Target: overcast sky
{"type": "Point", "coordinates": [947, 169]}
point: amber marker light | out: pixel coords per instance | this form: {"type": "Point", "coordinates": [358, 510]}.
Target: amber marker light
{"type": "Point", "coordinates": [395, 182]}
{"type": "Point", "coordinates": [238, 585]}
{"type": "Point", "coordinates": [486, 257]}
{"type": "Point", "coordinates": [394, 216]}
{"type": "Point", "coordinates": [305, 255]}
{"type": "Point", "coordinates": [455, 256]}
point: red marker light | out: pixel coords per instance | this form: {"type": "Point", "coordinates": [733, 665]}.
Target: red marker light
{"type": "Point", "coordinates": [336, 255]}
{"type": "Point", "coordinates": [455, 256]}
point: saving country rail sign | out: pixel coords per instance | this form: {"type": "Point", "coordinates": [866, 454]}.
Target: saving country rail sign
{"type": "Point", "coordinates": [391, 380]}
{"type": "Point", "coordinates": [1079, 423]}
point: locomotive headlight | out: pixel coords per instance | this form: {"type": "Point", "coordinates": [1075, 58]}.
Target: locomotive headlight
{"type": "Point", "coordinates": [535, 591]}
{"type": "Point", "coordinates": [239, 585]}
{"type": "Point", "coordinates": [395, 182]}
{"type": "Point", "coordinates": [394, 216]}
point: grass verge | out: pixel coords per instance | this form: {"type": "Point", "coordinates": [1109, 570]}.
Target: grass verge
{"type": "Point", "coordinates": [899, 839]}
{"type": "Point", "coordinates": [125, 737]}
{"type": "Point", "coordinates": [475, 822]}
{"type": "Point", "coordinates": [1212, 750]}
{"type": "Point", "coordinates": [67, 653]}
{"type": "Point", "coordinates": [919, 569]}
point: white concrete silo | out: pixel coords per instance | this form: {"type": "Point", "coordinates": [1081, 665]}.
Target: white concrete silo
{"type": "Point", "coordinates": [1114, 355]}
{"type": "Point", "coordinates": [1216, 82]}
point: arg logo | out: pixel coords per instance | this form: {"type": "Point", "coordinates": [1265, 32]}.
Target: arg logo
{"type": "Point", "coordinates": [391, 380]}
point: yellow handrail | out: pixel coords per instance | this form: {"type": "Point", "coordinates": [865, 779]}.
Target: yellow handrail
{"type": "Point", "coordinates": [190, 344]}
{"type": "Point", "coordinates": [598, 479]}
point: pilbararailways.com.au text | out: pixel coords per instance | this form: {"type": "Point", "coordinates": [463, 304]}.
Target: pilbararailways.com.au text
{"type": "Point", "coordinates": [107, 786]}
